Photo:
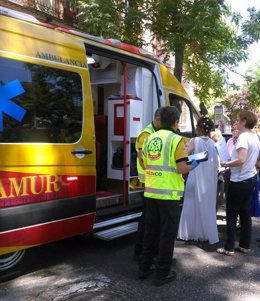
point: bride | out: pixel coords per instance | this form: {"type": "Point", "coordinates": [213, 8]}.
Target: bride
{"type": "Point", "coordinates": [198, 217]}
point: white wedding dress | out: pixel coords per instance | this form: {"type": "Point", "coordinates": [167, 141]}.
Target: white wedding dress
{"type": "Point", "coordinates": [198, 217]}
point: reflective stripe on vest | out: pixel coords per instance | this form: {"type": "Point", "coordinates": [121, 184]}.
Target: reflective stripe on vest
{"type": "Point", "coordinates": [141, 176]}
{"type": "Point", "coordinates": [164, 191]}
{"type": "Point", "coordinates": [162, 168]}
{"type": "Point", "coordinates": [162, 178]}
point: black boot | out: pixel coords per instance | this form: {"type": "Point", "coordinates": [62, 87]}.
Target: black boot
{"type": "Point", "coordinates": [159, 281]}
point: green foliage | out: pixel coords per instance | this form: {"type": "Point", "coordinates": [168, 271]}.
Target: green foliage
{"type": "Point", "coordinates": [210, 43]}
{"type": "Point", "coordinates": [237, 102]}
{"type": "Point", "coordinates": [203, 35]}
{"type": "Point", "coordinates": [113, 19]}
{"type": "Point", "coordinates": [251, 27]}
{"type": "Point", "coordinates": [254, 87]}
{"type": "Point", "coordinates": [246, 99]}
{"type": "Point", "coordinates": [102, 18]}
{"type": "Point", "coordinates": [209, 82]}
{"type": "Point", "coordinates": [132, 30]}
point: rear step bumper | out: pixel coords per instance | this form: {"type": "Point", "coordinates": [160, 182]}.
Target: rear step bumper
{"type": "Point", "coordinates": [116, 227]}
{"type": "Point", "coordinates": [116, 232]}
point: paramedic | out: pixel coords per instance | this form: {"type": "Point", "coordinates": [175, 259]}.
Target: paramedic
{"type": "Point", "coordinates": [164, 156]}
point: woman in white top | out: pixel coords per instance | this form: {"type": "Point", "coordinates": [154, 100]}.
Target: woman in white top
{"type": "Point", "coordinates": [242, 183]}
{"type": "Point", "coordinates": [198, 217]}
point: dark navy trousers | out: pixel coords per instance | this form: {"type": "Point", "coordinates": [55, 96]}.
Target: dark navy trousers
{"type": "Point", "coordinates": [239, 204]}
{"type": "Point", "coordinates": [161, 221]}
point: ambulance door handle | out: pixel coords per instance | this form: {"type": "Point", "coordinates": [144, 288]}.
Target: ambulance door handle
{"type": "Point", "coordinates": [82, 152]}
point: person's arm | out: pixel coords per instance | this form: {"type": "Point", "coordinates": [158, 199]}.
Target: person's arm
{"type": "Point", "coordinates": [181, 156]}
{"type": "Point", "coordinates": [241, 159]}
{"type": "Point", "coordinates": [140, 158]}
{"type": "Point", "coordinates": [257, 165]}
{"type": "Point", "coordinates": [140, 145]}
{"type": "Point", "coordinates": [144, 154]}
{"type": "Point", "coordinates": [191, 146]}
{"type": "Point", "coordinates": [183, 168]}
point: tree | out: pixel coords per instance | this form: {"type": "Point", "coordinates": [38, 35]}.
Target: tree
{"type": "Point", "coordinates": [101, 18]}
{"type": "Point", "coordinates": [197, 32]}
{"type": "Point", "coordinates": [134, 22]}
{"type": "Point", "coordinates": [239, 101]}
{"type": "Point", "coordinates": [254, 86]}
{"type": "Point", "coordinates": [117, 19]}
{"type": "Point", "coordinates": [251, 27]}
{"type": "Point", "coordinates": [248, 98]}
{"type": "Point", "coordinates": [203, 41]}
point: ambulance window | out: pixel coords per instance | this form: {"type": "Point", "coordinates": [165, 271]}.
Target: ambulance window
{"type": "Point", "coordinates": [51, 102]}
{"type": "Point", "coordinates": [185, 124]}
{"type": "Point", "coordinates": [195, 116]}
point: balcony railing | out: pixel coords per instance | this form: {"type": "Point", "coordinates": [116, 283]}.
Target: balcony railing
{"type": "Point", "coordinates": [62, 9]}
{"type": "Point", "coordinates": [49, 7]}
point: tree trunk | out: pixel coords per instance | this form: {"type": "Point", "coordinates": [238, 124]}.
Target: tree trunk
{"type": "Point", "coordinates": [178, 69]}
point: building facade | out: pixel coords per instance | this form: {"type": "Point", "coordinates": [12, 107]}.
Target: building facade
{"type": "Point", "coordinates": [56, 12]}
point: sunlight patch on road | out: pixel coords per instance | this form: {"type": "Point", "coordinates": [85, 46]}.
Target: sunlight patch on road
{"type": "Point", "coordinates": [63, 282]}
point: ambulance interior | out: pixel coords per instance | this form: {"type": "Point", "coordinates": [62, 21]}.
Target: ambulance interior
{"type": "Point", "coordinates": [108, 86]}
{"type": "Point", "coordinates": [110, 80]}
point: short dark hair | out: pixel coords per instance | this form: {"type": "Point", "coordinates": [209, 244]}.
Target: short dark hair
{"type": "Point", "coordinates": [249, 117]}
{"type": "Point", "coordinates": [157, 113]}
{"type": "Point", "coordinates": [168, 116]}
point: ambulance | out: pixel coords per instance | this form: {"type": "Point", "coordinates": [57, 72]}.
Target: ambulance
{"type": "Point", "coordinates": [71, 107]}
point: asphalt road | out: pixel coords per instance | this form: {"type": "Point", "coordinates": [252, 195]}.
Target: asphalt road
{"type": "Point", "coordinates": [89, 269]}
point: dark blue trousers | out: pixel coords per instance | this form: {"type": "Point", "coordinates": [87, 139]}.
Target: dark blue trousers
{"type": "Point", "coordinates": [239, 204]}
{"type": "Point", "coordinates": [140, 231]}
{"type": "Point", "coordinates": [161, 220]}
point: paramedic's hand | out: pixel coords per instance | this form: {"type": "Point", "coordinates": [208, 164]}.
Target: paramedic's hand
{"type": "Point", "coordinates": [194, 164]}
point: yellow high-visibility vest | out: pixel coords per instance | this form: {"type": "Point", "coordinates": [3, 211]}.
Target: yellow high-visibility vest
{"type": "Point", "coordinates": [162, 180]}
{"type": "Point", "coordinates": [149, 129]}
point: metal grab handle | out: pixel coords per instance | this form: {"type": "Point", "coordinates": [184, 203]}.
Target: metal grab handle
{"type": "Point", "coordinates": [82, 152]}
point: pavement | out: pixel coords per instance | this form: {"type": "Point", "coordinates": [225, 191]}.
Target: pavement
{"type": "Point", "coordinates": [109, 273]}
